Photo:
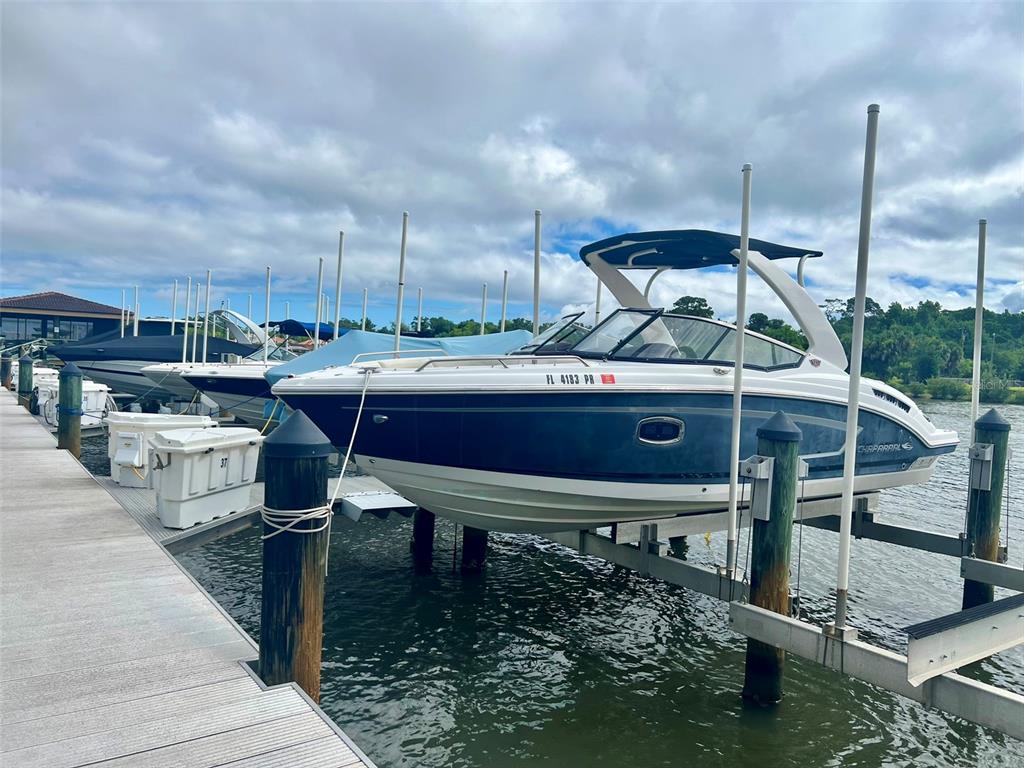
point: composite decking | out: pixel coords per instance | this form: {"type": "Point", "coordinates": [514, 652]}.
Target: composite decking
{"type": "Point", "coordinates": [110, 653]}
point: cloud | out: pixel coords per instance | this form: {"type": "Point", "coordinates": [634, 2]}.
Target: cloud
{"type": "Point", "coordinates": [147, 142]}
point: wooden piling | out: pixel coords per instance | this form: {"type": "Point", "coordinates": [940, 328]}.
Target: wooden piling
{"type": "Point", "coordinates": [6, 366]}
{"type": "Point", "coordinates": [422, 543]}
{"type": "Point", "coordinates": [778, 438]}
{"type": "Point", "coordinates": [25, 381]}
{"type": "Point", "coordinates": [69, 409]}
{"type": "Point", "coordinates": [983, 506]}
{"type": "Point", "coordinates": [294, 560]}
{"type": "Point", "coordinates": [474, 549]}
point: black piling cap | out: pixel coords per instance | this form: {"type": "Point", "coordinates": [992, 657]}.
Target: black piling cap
{"type": "Point", "coordinates": [297, 438]}
{"type": "Point", "coordinates": [992, 422]}
{"type": "Point", "coordinates": [24, 360]}
{"type": "Point", "coordinates": [780, 427]}
{"type": "Point", "coordinates": [70, 370]}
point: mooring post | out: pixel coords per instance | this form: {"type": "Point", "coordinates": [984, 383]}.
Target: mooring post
{"type": "Point", "coordinates": [474, 549]}
{"type": "Point", "coordinates": [5, 371]}
{"type": "Point", "coordinates": [778, 439]}
{"type": "Point", "coordinates": [678, 546]}
{"type": "Point", "coordinates": [25, 381]}
{"type": "Point", "coordinates": [69, 409]}
{"type": "Point", "coordinates": [296, 535]}
{"type": "Point", "coordinates": [984, 500]}
{"type": "Point", "coordinates": [422, 543]}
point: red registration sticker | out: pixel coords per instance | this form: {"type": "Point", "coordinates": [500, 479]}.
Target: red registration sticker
{"type": "Point", "coordinates": [607, 378]}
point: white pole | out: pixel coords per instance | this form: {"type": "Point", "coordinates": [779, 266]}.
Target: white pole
{"type": "Point", "coordinates": [249, 312]}
{"type": "Point", "coordinates": [419, 310]}
{"type": "Point", "coordinates": [800, 270]}
{"type": "Point", "coordinates": [188, 306]}
{"type": "Point", "coordinates": [504, 301]}
{"type": "Point", "coordinates": [124, 313]}
{"type": "Point", "coordinates": [597, 304]}
{"type": "Point", "coordinates": [319, 302]}
{"type": "Point", "coordinates": [856, 351]}
{"type": "Point", "coordinates": [287, 310]}
{"type": "Point", "coordinates": [536, 272]}
{"type": "Point", "coordinates": [337, 284]}
{"type": "Point", "coordinates": [737, 373]}
{"type": "Point", "coordinates": [483, 312]}
{"type": "Point", "coordinates": [195, 326]}
{"type": "Point", "coordinates": [135, 331]}
{"type": "Point", "coordinates": [174, 305]}
{"type": "Point", "coordinates": [401, 282]}
{"type": "Point", "coordinates": [266, 321]}
{"type": "Point", "coordinates": [979, 314]}
{"type": "Point", "coordinates": [362, 326]}
{"type": "Point", "coordinates": [206, 314]}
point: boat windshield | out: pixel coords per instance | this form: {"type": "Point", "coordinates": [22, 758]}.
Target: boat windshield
{"type": "Point", "coordinates": [653, 336]}
{"type": "Point", "coordinates": [557, 338]}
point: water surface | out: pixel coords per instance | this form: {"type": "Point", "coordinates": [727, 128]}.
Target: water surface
{"type": "Point", "coordinates": [553, 659]}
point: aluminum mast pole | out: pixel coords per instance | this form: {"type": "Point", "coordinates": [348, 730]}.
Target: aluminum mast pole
{"type": "Point", "coordinates": [979, 315]}
{"type": "Point", "coordinates": [249, 312]}
{"type": "Point", "coordinates": [188, 306]}
{"type": "Point", "coordinates": [856, 352]}
{"type": "Point", "coordinates": [419, 310]}
{"type": "Point", "coordinates": [536, 272]}
{"type": "Point", "coordinates": [737, 373]}
{"type": "Point", "coordinates": [401, 282]}
{"type": "Point", "coordinates": [266, 322]}
{"type": "Point", "coordinates": [174, 305]}
{"type": "Point", "coordinates": [597, 304]}
{"type": "Point", "coordinates": [319, 300]}
{"type": "Point", "coordinates": [287, 310]}
{"type": "Point", "coordinates": [362, 326]}
{"type": "Point", "coordinates": [504, 301]}
{"type": "Point", "coordinates": [483, 312]}
{"type": "Point", "coordinates": [206, 314]}
{"type": "Point", "coordinates": [337, 284]}
{"type": "Point", "coordinates": [195, 326]}
{"type": "Point", "coordinates": [135, 325]}
{"type": "Point", "coordinates": [124, 313]}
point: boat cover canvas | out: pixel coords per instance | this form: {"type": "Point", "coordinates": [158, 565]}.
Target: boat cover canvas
{"type": "Point", "coordinates": [344, 350]}
{"type": "Point", "coordinates": [155, 349]}
{"type": "Point", "coordinates": [681, 249]}
{"type": "Point", "coordinates": [298, 328]}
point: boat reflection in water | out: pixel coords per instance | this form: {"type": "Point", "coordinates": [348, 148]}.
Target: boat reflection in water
{"type": "Point", "coordinates": [627, 421]}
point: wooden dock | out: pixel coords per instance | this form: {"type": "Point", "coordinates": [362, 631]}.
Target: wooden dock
{"type": "Point", "coordinates": [110, 652]}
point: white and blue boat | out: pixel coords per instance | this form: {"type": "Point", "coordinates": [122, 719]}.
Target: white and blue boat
{"type": "Point", "coordinates": [627, 421]}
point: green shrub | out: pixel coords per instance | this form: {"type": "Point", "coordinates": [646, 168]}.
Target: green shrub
{"type": "Point", "coordinates": [994, 391]}
{"type": "Point", "coordinates": [917, 389]}
{"type": "Point", "coordinates": [948, 389]}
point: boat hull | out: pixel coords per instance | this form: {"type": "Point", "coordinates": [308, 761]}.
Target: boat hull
{"type": "Point", "coordinates": [498, 501]}
{"type": "Point", "coordinates": [545, 461]}
{"type": "Point", "coordinates": [245, 395]}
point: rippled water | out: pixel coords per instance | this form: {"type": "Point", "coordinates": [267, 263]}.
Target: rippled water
{"type": "Point", "coordinates": [555, 659]}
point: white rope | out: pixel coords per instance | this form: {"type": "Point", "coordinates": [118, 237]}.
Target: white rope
{"type": "Point", "coordinates": [352, 440]}
{"type": "Point", "coordinates": [282, 520]}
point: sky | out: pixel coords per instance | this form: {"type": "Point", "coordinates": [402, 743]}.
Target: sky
{"type": "Point", "coordinates": [144, 143]}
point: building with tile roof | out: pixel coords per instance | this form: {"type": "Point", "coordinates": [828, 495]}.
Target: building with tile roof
{"type": "Point", "coordinates": [53, 315]}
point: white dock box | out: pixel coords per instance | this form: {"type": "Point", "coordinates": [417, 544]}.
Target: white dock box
{"type": "Point", "coordinates": [203, 474]}
{"type": "Point", "coordinates": [129, 437]}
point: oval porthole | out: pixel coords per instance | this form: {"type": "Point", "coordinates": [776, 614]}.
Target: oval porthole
{"type": "Point", "coordinates": [660, 430]}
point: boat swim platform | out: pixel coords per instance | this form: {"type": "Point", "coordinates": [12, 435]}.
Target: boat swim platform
{"type": "Point", "coordinates": [110, 652]}
{"type": "Point", "coordinates": [358, 495]}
